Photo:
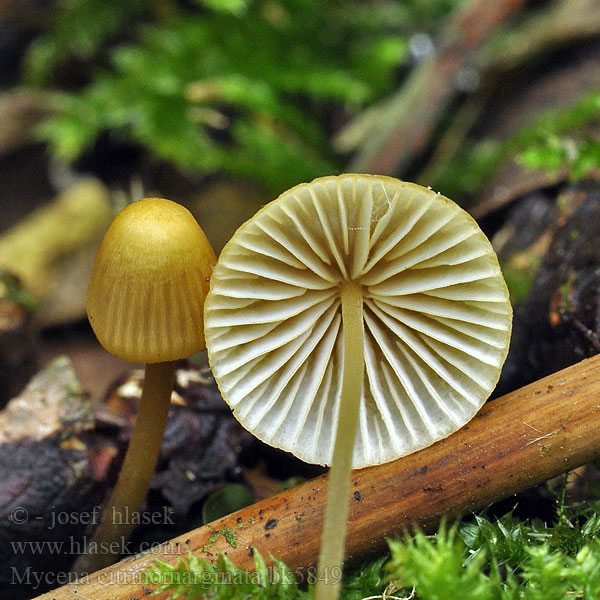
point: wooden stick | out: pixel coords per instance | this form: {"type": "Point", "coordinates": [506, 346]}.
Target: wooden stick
{"type": "Point", "coordinates": [515, 442]}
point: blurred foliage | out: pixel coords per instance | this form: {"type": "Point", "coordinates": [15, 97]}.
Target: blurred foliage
{"type": "Point", "coordinates": [368, 579]}
{"type": "Point", "coordinates": [78, 32]}
{"type": "Point", "coordinates": [228, 499]}
{"type": "Point", "coordinates": [518, 280]}
{"type": "Point", "coordinates": [566, 140]}
{"type": "Point", "coordinates": [244, 86]}
{"type": "Point", "coordinates": [563, 139]}
{"type": "Point", "coordinates": [12, 290]}
{"type": "Point", "coordinates": [255, 88]}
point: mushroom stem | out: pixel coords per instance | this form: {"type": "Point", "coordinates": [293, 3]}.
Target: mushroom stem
{"type": "Point", "coordinates": [119, 517]}
{"type": "Point", "coordinates": [333, 539]}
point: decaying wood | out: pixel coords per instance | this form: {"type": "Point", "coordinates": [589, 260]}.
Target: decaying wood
{"type": "Point", "coordinates": [52, 405]}
{"type": "Point", "coordinates": [50, 463]}
{"type": "Point", "coordinates": [201, 444]}
{"type": "Point", "coordinates": [515, 442]}
{"type": "Point", "coordinates": [557, 323]}
{"type": "Point", "coordinates": [34, 248]}
{"type": "Point", "coordinates": [59, 454]}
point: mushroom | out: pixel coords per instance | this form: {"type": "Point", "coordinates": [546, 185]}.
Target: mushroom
{"type": "Point", "coordinates": [354, 320]}
{"type": "Point", "coordinates": [145, 302]}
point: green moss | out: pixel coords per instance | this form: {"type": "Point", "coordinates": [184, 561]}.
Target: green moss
{"type": "Point", "coordinates": [502, 560]}
{"type": "Point", "coordinates": [229, 535]}
{"type": "Point", "coordinates": [243, 86]}
{"type": "Point", "coordinates": [194, 577]}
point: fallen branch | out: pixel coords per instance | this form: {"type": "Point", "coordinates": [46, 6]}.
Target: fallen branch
{"type": "Point", "coordinates": [515, 442]}
{"type": "Point", "coordinates": [390, 134]}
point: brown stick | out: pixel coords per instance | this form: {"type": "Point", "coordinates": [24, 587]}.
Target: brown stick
{"type": "Point", "coordinates": [515, 442]}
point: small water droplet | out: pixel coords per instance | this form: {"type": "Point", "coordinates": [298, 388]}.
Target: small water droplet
{"type": "Point", "coordinates": [421, 46]}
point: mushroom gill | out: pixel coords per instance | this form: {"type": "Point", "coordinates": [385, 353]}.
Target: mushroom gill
{"type": "Point", "coordinates": [435, 325]}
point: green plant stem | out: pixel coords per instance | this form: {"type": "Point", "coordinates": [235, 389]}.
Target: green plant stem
{"type": "Point", "coordinates": [126, 500]}
{"type": "Point", "coordinates": [333, 538]}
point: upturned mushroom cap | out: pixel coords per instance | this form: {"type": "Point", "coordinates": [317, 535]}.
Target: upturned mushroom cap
{"type": "Point", "coordinates": [146, 294]}
{"type": "Point", "coordinates": [436, 313]}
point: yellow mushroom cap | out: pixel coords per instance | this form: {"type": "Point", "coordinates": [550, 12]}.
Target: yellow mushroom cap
{"type": "Point", "coordinates": [437, 317]}
{"type": "Point", "coordinates": [151, 276]}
